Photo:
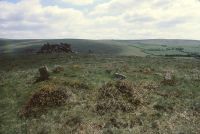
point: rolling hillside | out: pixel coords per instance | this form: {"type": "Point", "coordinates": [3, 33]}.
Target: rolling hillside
{"type": "Point", "coordinates": [155, 47]}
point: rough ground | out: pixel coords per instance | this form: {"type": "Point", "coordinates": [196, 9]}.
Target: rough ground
{"type": "Point", "coordinates": [85, 98]}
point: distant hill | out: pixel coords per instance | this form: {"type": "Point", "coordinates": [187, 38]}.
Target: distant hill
{"type": "Point", "coordinates": [114, 47]}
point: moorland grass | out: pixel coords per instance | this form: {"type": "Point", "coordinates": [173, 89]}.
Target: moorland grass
{"type": "Point", "coordinates": [162, 109]}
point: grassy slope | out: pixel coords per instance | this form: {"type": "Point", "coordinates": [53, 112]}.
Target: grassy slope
{"type": "Point", "coordinates": [116, 47]}
{"type": "Point", "coordinates": [176, 111]}
{"type": "Point", "coordinates": [82, 46]}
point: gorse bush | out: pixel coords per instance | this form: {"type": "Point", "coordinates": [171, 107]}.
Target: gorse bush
{"type": "Point", "coordinates": [117, 96]}
{"type": "Point", "coordinates": [44, 98]}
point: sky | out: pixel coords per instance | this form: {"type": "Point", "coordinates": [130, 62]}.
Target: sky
{"type": "Point", "coordinates": [100, 19]}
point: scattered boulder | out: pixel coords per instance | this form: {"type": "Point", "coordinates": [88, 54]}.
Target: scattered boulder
{"type": "Point", "coordinates": [44, 74]}
{"type": "Point", "coordinates": [108, 71]}
{"type": "Point", "coordinates": [90, 51]}
{"type": "Point", "coordinates": [196, 106]}
{"type": "Point", "coordinates": [146, 71]}
{"type": "Point", "coordinates": [169, 78]}
{"type": "Point", "coordinates": [119, 76]}
{"type": "Point", "coordinates": [56, 48]}
{"type": "Point", "coordinates": [195, 74]}
{"type": "Point", "coordinates": [58, 69]}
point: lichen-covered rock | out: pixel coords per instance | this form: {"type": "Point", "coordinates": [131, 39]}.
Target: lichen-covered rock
{"type": "Point", "coordinates": [119, 76]}
{"type": "Point", "coordinates": [44, 73]}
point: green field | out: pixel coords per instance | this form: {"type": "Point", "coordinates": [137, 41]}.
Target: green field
{"type": "Point", "coordinates": [86, 98]}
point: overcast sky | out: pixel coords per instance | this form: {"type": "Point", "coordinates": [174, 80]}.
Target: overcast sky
{"type": "Point", "coordinates": [100, 19]}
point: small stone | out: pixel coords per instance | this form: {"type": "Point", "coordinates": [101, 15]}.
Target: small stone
{"type": "Point", "coordinates": [147, 70]}
{"type": "Point", "coordinates": [169, 78]}
{"type": "Point", "coordinates": [58, 69]}
{"type": "Point", "coordinates": [119, 76]}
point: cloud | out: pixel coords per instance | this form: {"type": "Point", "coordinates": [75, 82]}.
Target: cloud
{"type": "Point", "coordinates": [162, 4]}
{"type": "Point", "coordinates": [138, 18]}
{"type": "Point", "coordinates": [172, 23]}
{"type": "Point", "coordinates": [127, 19]}
{"type": "Point", "coordinates": [115, 7]}
{"type": "Point", "coordinates": [79, 2]}
{"type": "Point", "coordinates": [30, 17]}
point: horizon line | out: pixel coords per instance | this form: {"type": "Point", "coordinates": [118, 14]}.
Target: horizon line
{"type": "Point", "coordinates": [96, 39]}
